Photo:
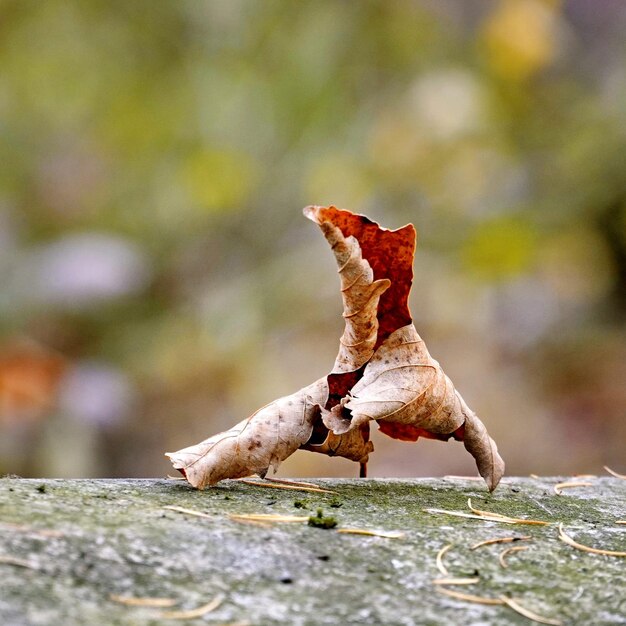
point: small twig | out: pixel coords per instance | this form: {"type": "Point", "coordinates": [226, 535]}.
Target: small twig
{"type": "Point", "coordinates": [621, 521]}
{"type": "Point", "coordinates": [469, 598]}
{"type": "Point", "coordinates": [193, 613]}
{"type": "Point", "coordinates": [181, 509]}
{"type": "Point", "coordinates": [149, 602]}
{"type": "Point", "coordinates": [455, 477]}
{"type": "Point", "coordinates": [508, 551]}
{"type": "Point", "coordinates": [488, 542]}
{"type": "Point", "coordinates": [439, 560]}
{"type": "Point", "coordinates": [456, 581]}
{"type": "Point", "coordinates": [570, 485]}
{"type": "Point", "coordinates": [387, 534]}
{"type": "Point", "coordinates": [568, 540]}
{"type": "Point", "coordinates": [614, 473]}
{"type": "Point", "coordinates": [518, 608]}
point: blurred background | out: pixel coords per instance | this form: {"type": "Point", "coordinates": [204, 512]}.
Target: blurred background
{"type": "Point", "coordinates": [158, 282]}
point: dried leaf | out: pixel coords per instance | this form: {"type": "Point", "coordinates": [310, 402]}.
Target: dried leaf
{"type": "Point", "coordinates": [383, 372]}
{"type": "Point", "coordinates": [254, 445]}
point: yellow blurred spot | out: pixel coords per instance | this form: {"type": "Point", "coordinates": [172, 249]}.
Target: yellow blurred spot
{"type": "Point", "coordinates": [218, 180]}
{"type": "Point", "coordinates": [519, 37]}
{"type": "Point", "coordinates": [578, 265]}
{"type": "Point", "coordinates": [500, 248]}
{"type": "Point", "coordinates": [335, 179]}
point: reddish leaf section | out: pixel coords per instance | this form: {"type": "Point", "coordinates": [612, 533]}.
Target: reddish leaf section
{"type": "Point", "coordinates": [390, 255]}
{"type": "Point", "coordinates": [407, 432]}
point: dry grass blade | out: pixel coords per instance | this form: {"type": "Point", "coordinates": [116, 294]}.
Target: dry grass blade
{"type": "Point", "coordinates": [469, 598]}
{"type": "Point", "coordinates": [504, 518]}
{"type": "Point", "coordinates": [267, 517]}
{"type": "Point", "coordinates": [180, 509]}
{"type": "Point", "coordinates": [456, 581]}
{"type": "Point", "coordinates": [614, 473]}
{"type": "Point", "coordinates": [170, 477]}
{"type": "Point", "coordinates": [258, 483]}
{"type": "Point", "coordinates": [439, 560]}
{"type": "Point", "coordinates": [11, 560]}
{"type": "Point", "coordinates": [534, 476]}
{"type": "Point", "coordinates": [489, 542]}
{"type": "Point", "coordinates": [387, 534]}
{"type": "Point", "coordinates": [518, 608]}
{"type": "Point", "coordinates": [570, 485]}
{"type": "Point", "coordinates": [193, 613]}
{"type": "Point", "coordinates": [569, 541]}
{"type": "Point", "coordinates": [621, 521]}
{"type": "Point", "coordinates": [149, 602]}
{"type": "Point", "coordinates": [505, 553]}
{"type": "Point", "coordinates": [585, 476]}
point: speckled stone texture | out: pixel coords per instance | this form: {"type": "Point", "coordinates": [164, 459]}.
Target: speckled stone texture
{"type": "Point", "coordinates": [87, 539]}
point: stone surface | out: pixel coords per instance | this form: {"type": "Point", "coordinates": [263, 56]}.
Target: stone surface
{"type": "Point", "coordinates": [84, 540]}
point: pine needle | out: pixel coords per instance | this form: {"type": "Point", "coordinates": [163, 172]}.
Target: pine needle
{"type": "Point", "coordinates": [518, 608]}
{"type": "Point", "coordinates": [504, 518]}
{"type": "Point", "coordinates": [23, 528]}
{"type": "Point", "coordinates": [150, 602]}
{"type": "Point", "coordinates": [181, 509]}
{"type": "Point", "coordinates": [456, 581]}
{"type": "Point", "coordinates": [468, 515]}
{"type": "Point", "coordinates": [614, 473]}
{"type": "Point", "coordinates": [193, 613]}
{"type": "Point", "coordinates": [489, 542]}
{"type": "Point", "coordinates": [469, 598]}
{"type": "Point", "coordinates": [508, 551]}
{"type": "Point", "coordinates": [258, 483]}
{"type": "Point", "coordinates": [267, 517]}
{"type": "Point", "coordinates": [297, 483]}
{"type": "Point", "coordinates": [439, 560]}
{"type": "Point", "coordinates": [568, 540]}
{"type": "Point", "coordinates": [387, 534]}
{"type": "Point", "coordinates": [570, 485]}
{"type": "Point", "coordinates": [11, 560]}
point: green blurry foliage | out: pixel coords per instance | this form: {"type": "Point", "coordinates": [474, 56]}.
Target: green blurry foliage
{"type": "Point", "coordinates": [192, 133]}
